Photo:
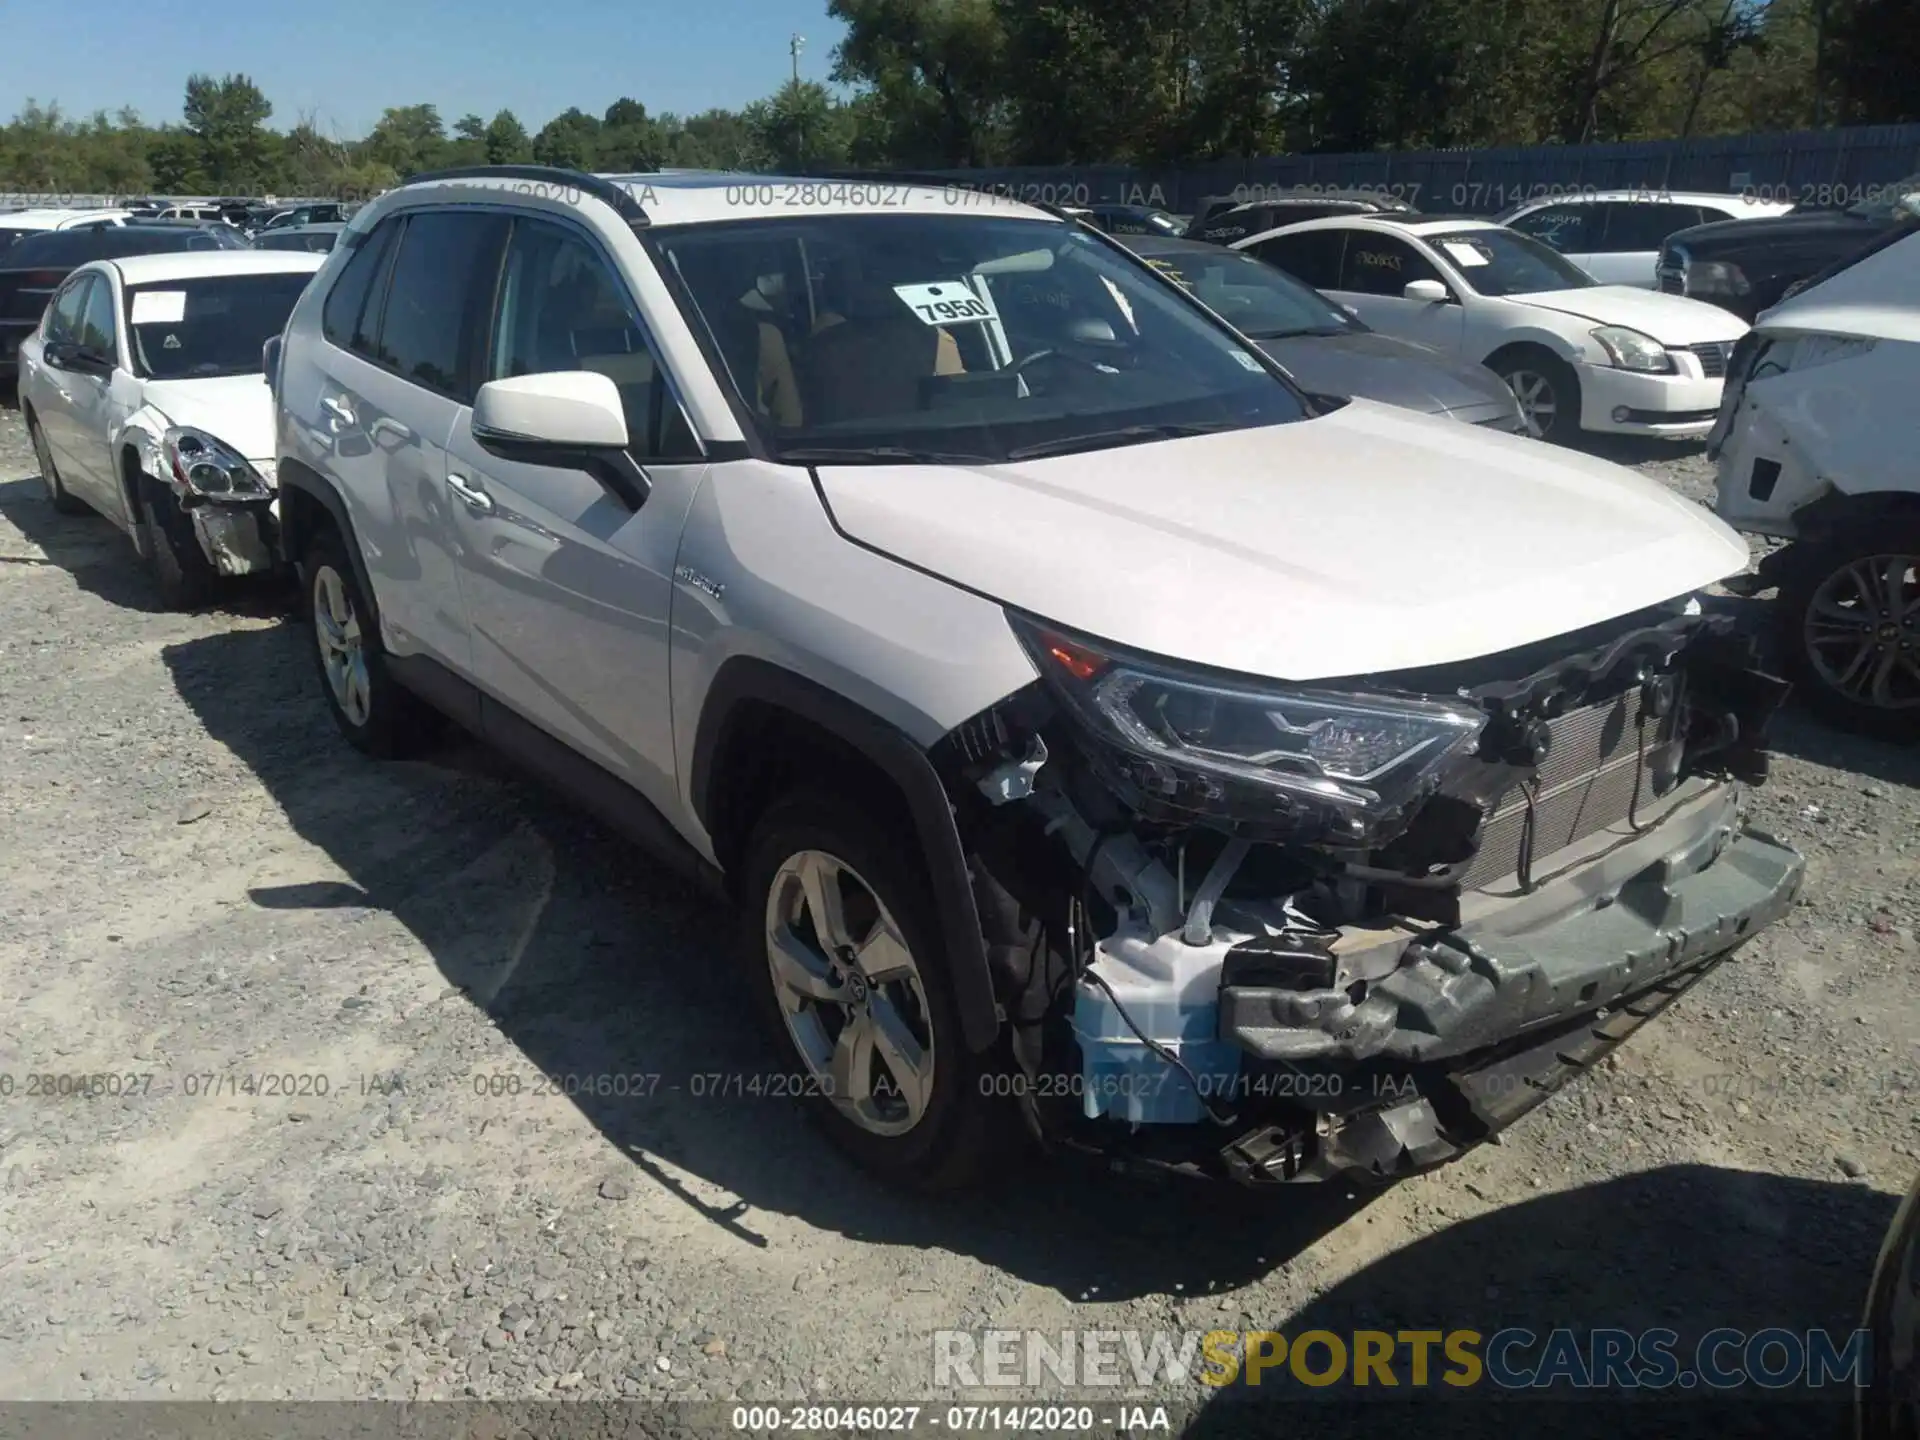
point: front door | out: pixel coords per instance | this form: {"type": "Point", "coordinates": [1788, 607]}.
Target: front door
{"type": "Point", "coordinates": [1374, 273]}
{"type": "Point", "coordinates": [568, 589]}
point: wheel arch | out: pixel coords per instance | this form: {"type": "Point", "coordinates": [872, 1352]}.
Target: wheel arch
{"type": "Point", "coordinates": [762, 728]}
{"type": "Point", "coordinates": [308, 504]}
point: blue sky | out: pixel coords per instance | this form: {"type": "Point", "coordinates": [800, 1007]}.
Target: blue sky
{"type": "Point", "coordinates": [344, 61]}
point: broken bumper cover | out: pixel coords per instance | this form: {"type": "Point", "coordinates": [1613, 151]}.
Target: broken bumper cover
{"type": "Point", "coordinates": [1687, 890]}
{"type": "Point", "coordinates": [238, 538]}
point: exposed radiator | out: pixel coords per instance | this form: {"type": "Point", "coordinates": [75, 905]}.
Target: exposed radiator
{"type": "Point", "coordinates": [1586, 783]}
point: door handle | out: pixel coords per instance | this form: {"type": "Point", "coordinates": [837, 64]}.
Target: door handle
{"type": "Point", "coordinates": [339, 410]}
{"type": "Point", "coordinates": [475, 499]}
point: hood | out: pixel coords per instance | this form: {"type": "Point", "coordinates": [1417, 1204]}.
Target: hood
{"type": "Point", "coordinates": [1808, 225]}
{"type": "Point", "coordinates": [1392, 371]}
{"type": "Point", "coordinates": [1370, 539]}
{"type": "Point", "coordinates": [1670, 319]}
{"type": "Point", "coordinates": [235, 408]}
{"type": "Point", "coordinates": [1878, 296]}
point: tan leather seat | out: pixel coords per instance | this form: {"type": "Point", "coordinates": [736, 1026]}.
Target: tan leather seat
{"type": "Point", "coordinates": [871, 364]}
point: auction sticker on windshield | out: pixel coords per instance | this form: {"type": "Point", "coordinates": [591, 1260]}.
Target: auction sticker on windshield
{"type": "Point", "coordinates": [946, 302]}
{"type": "Point", "coordinates": [1465, 252]}
{"type": "Point", "coordinates": [159, 307]}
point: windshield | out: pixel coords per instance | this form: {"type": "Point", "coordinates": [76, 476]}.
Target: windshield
{"type": "Point", "coordinates": [1505, 262]}
{"type": "Point", "coordinates": [1252, 296]}
{"type": "Point", "coordinates": [1899, 201]}
{"type": "Point", "coordinates": [957, 338]}
{"type": "Point", "coordinates": [208, 326]}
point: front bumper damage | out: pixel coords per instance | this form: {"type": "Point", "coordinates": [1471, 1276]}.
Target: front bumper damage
{"type": "Point", "coordinates": [1268, 1013]}
{"type": "Point", "coordinates": [237, 537]}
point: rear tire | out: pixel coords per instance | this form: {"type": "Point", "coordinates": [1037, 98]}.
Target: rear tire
{"type": "Point", "coordinates": [374, 711]}
{"type": "Point", "coordinates": [182, 574]}
{"type": "Point", "coordinates": [1850, 628]}
{"type": "Point", "coordinates": [1548, 392]}
{"type": "Point", "coordinates": [862, 1004]}
{"type": "Point", "coordinates": [57, 495]}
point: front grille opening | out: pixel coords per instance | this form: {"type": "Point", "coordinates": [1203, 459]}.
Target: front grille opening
{"type": "Point", "coordinates": [1592, 778]}
{"type": "Point", "coordinates": [1713, 357]}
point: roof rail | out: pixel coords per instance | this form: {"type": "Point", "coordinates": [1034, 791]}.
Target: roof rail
{"type": "Point", "coordinates": [618, 196]}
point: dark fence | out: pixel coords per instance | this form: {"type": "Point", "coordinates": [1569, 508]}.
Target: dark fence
{"type": "Point", "coordinates": [1823, 168]}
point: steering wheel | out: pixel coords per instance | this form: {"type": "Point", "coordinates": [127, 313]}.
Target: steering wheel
{"type": "Point", "coordinates": [1052, 353]}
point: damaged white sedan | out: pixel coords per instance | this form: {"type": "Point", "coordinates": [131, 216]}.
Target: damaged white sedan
{"type": "Point", "coordinates": [143, 395]}
{"type": "Point", "coordinates": [1816, 443]}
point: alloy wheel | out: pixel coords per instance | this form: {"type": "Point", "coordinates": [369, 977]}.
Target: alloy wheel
{"type": "Point", "coordinates": [850, 992]}
{"type": "Point", "coordinates": [1538, 404]}
{"type": "Point", "coordinates": [1862, 631]}
{"type": "Point", "coordinates": [342, 655]}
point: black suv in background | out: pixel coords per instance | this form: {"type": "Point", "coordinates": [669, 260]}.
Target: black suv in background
{"type": "Point", "coordinates": [1748, 266]}
{"type": "Point", "coordinates": [1254, 217]}
{"type": "Point", "coordinates": [32, 270]}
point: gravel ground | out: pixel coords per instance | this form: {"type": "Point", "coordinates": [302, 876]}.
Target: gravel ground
{"type": "Point", "coordinates": [200, 883]}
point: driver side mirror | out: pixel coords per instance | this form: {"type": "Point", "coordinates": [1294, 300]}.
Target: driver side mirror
{"type": "Point", "coordinates": [1431, 292]}
{"type": "Point", "coordinates": [568, 419]}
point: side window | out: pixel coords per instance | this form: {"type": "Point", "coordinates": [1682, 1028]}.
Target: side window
{"type": "Point", "coordinates": [346, 304]}
{"type": "Point", "coordinates": [1382, 264]}
{"type": "Point", "coordinates": [96, 320]}
{"type": "Point", "coordinates": [1634, 225]}
{"type": "Point", "coordinates": [434, 315]}
{"type": "Point", "coordinates": [1313, 257]}
{"type": "Point", "coordinates": [562, 308]}
{"type": "Point", "coordinates": [63, 316]}
{"type": "Point", "coordinates": [1570, 229]}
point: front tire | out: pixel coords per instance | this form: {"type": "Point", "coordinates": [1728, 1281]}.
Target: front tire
{"type": "Point", "coordinates": [1548, 392]}
{"type": "Point", "coordinates": [182, 574]}
{"type": "Point", "coordinates": [1850, 617]}
{"type": "Point", "coordinates": [57, 494]}
{"type": "Point", "coordinates": [846, 964]}
{"type": "Point", "coordinates": [373, 710]}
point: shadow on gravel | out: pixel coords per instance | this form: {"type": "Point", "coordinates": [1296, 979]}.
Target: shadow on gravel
{"type": "Point", "coordinates": [102, 561]}
{"type": "Point", "coordinates": [1799, 734]}
{"type": "Point", "coordinates": [594, 961]}
{"type": "Point", "coordinates": [1688, 1249]}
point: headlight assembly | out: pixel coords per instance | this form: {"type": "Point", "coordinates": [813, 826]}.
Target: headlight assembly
{"type": "Point", "coordinates": [211, 468]}
{"type": "Point", "coordinates": [1307, 766]}
{"type": "Point", "coordinates": [1630, 350]}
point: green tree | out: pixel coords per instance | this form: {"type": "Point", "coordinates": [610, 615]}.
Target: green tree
{"type": "Point", "coordinates": [507, 142]}
{"type": "Point", "coordinates": [933, 75]}
{"type": "Point", "coordinates": [801, 127]}
{"type": "Point", "coordinates": [571, 139]}
{"type": "Point", "coordinates": [406, 139]}
{"type": "Point", "coordinates": [227, 119]}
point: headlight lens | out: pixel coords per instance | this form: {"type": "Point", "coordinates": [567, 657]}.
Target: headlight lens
{"type": "Point", "coordinates": [1630, 350]}
{"type": "Point", "coordinates": [210, 467]}
{"type": "Point", "coordinates": [1716, 277]}
{"type": "Point", "coordinates": [1297, 764]}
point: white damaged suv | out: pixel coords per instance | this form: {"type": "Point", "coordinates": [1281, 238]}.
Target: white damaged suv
{"type": "Point", "coordinates": [1108, 744]}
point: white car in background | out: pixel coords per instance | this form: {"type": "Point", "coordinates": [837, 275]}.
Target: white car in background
{"type": "Point", "coordinates": [1817, 444]}
{"type": "Point", "coordinates": [18, 224]}
{"type": "Point", "coordinates": [143, 395]}
{"type": "Point", "coordinates": [1579, 355]}
{"type": "Point", "coordinates": [1616, 235]}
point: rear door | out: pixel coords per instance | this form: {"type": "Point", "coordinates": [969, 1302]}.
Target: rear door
{"type": "Point", "coordinates": [404, 318]}
{"type": "Point", "coordinates": [51, 390]}
{"type": "Point", "coordinates": [1631, 237]}
{"type": "Point", "coordinates": [568, 588]}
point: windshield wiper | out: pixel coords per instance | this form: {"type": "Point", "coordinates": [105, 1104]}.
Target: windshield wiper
{"type": "Point", "coordinates": [1295, 334]}
{"type": "Point", "coordinates": [1104, 439]}
{"type": "Point", "coordinates": [877, 454]}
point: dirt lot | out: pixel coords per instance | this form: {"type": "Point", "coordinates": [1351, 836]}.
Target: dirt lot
{"type": "Point", "coordinates": [201, 883]}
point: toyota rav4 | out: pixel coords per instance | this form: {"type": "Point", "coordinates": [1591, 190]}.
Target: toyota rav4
{"type": "Point", "coordinates": [1107, 743]}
